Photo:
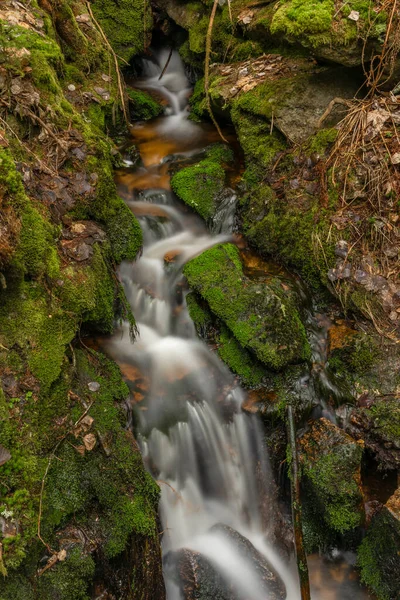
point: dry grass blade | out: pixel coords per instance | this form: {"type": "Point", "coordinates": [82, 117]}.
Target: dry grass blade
{"type": "Point", "coordinates": [207, 69]}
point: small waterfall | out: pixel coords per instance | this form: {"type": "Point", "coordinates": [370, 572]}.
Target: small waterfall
{"type": "Point", "coordinates": [208, 456]}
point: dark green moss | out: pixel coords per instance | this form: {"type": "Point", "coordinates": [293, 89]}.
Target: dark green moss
{"type": "Point", "coordinates": [330, 465]}
{"type": "Point", "coordinates": [239, 360]}
{"type": "Point", "coordinates": [378, 556]}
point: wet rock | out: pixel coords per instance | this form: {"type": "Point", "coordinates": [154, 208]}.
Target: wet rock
{"type": "Point", "coordinates": [5, 455]}
{"type": "Point", "coordinates": [331, 460]}
{"type": "Point", "coordinates": [199, 579]}
{"type": "Point", "coordinates": [378, 425]}
{"type": "Point", "coordinates": [378, 554]}
{"type": "Point", "coordinates": [272, 583]}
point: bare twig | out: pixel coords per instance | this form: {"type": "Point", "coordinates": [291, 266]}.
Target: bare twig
{"type": "Point", "coordinates": [166, 65]}
{"type": "Point", "coordinates": [207, 69]}
{"type": "Point", "coordinates": [117, 69]}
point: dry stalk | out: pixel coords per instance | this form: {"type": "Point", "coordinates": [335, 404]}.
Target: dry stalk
{"type": "Point", "coordinates": [207, 69]}
{"type": "Point", "coordinates": [117, 69]}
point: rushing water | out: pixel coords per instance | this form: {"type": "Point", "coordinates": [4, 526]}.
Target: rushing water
{"type": "Point", "coordinates": [206, 453]}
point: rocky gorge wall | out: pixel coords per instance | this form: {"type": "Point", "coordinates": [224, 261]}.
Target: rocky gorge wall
{"type": "Point", "coordinates": [78, 512]}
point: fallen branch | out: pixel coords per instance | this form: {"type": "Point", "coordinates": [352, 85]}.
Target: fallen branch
{"type": "Point", "coordinates": [166, 65]}
{"type": "Point", "coordinates": [301, 556]}
{"type": "Point", "coordinates": [207, 69]}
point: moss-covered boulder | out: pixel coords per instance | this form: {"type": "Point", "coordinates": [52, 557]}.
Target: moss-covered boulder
{"type": "Point", "coordinates": [127, 25]}
{"type": "Point", "coordinates": [142, 106]}
{"type": "Point", "coordinates": [330, 465]}
{"type": "Point", "coordinates": [261, 317]}
{"type": "Point", "coordinates": [378, 555]}
{"type": "Point", "coordinates": [200, 185]}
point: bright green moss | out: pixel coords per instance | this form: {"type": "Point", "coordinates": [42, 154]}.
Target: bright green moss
{"type": "Point", "coordinates": [126, 23]}
{"type": "Point", "coordinates": [89, 292]}
{"type": "Point", "coordinates": [199, 185]}
{"type": "Point", "coordinates": [142, 106]}
{"type": "Point", "coordinates": [321, 141]}
{"type": "Point", "coordinates": [122, 227]}
{"type": "Point", "coordinates": [259, 317]}
{"type": "Point", "coordinates": [260, 146]}
{"type": "Point", "coordinates": [303, 18]}
{"type": "Point", "coordinates": [239, 360]}
{"type": "Point", "coordinates": [318, 22]}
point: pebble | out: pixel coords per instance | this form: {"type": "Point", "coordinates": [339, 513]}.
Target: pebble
{"type": "Point", "coordinates": [94, 386]}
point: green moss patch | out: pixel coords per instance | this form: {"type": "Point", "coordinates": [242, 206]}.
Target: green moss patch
{"type": "Point", "coordinates": [330, 463]}
{"type": "Point", "coordinates": [200, 185]}
{"type": "Point", "coordinates": [259, 316]}
{"type": "Point", "coordinates": [143, 106]}
{"type": "Point", "coordinates": [126, 23]}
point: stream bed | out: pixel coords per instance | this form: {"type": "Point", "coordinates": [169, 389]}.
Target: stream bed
{"type": "Point", "coordinates": [207, 454]}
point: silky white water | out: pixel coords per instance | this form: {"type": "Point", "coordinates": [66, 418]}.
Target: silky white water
{"type": "Point", "coordinates": [208, 456]}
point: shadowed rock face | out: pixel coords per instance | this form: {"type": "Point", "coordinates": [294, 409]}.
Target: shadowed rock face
{"type": "Point", "coordinates": [378, 555]}
{"type": "Point", "coordinates": [198, 578]}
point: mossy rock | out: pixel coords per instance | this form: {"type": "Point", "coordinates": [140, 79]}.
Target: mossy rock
{"type": "Point", "coordinates": [261, 317]}
{"type": "Point", "coordinates": [201, 184]}
{"type": "Point", "coordinates": [330, 465]}
{"type": "Point", "coordinates": [327, 32]}
{"type": "Point", "coordinates": [127, 25]}
{"type": "Point", "coordinates": [142, 106]}
{"type": "Point", "coordinates": [378, 556]}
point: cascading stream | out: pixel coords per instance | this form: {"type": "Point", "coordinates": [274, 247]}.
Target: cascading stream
{"type": "Point", "coordinates": [207, 455]}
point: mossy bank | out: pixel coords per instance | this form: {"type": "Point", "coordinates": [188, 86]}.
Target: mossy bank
{"type": "Point", "coordinates": [78, 512]}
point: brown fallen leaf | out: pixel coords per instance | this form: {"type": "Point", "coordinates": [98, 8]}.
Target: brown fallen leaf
{"type": "Point", "coordinates": [90, 441]}
{"type": "Point", "coordinates": [4, 455]}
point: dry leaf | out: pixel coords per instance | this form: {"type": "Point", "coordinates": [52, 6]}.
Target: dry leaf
{"type": "Point", "coordinates": [90, 441]}
{"type": "Point", "coordinates": [4, 455]}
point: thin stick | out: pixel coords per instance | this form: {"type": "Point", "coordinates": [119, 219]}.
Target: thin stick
{"type": "Point", "coordinates": [166, 65]}
{"type": "Point", "coordinates": [301, 556]}
{"type": "Point", "coordinates": [120, 86]}
{"type": "Point", "coordinates": [207, 69]}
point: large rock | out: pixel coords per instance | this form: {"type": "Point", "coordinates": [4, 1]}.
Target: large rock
{"type": "Point", "coordinates": [261, 315]}
{"type": "Point", "coordinates": [330, 462]}
{"type": "Point", "coordinates": [199, 579]}
{"type": "Point", "coordinates": [379, 555]}
{"type": "Point", "coordinates": [378, 425]}
{"type": "Point", "coordinates": [291, 92]}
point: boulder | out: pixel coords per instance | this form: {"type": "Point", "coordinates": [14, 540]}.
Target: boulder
{"type": "Point", "coordinates": [261, 315]}
{"type": "Point", "coordinates": [330, 464]}
{"type": "Point", "coordinates": [378, 424]}
{"type": "Point", "coordinates": [198, 578]}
